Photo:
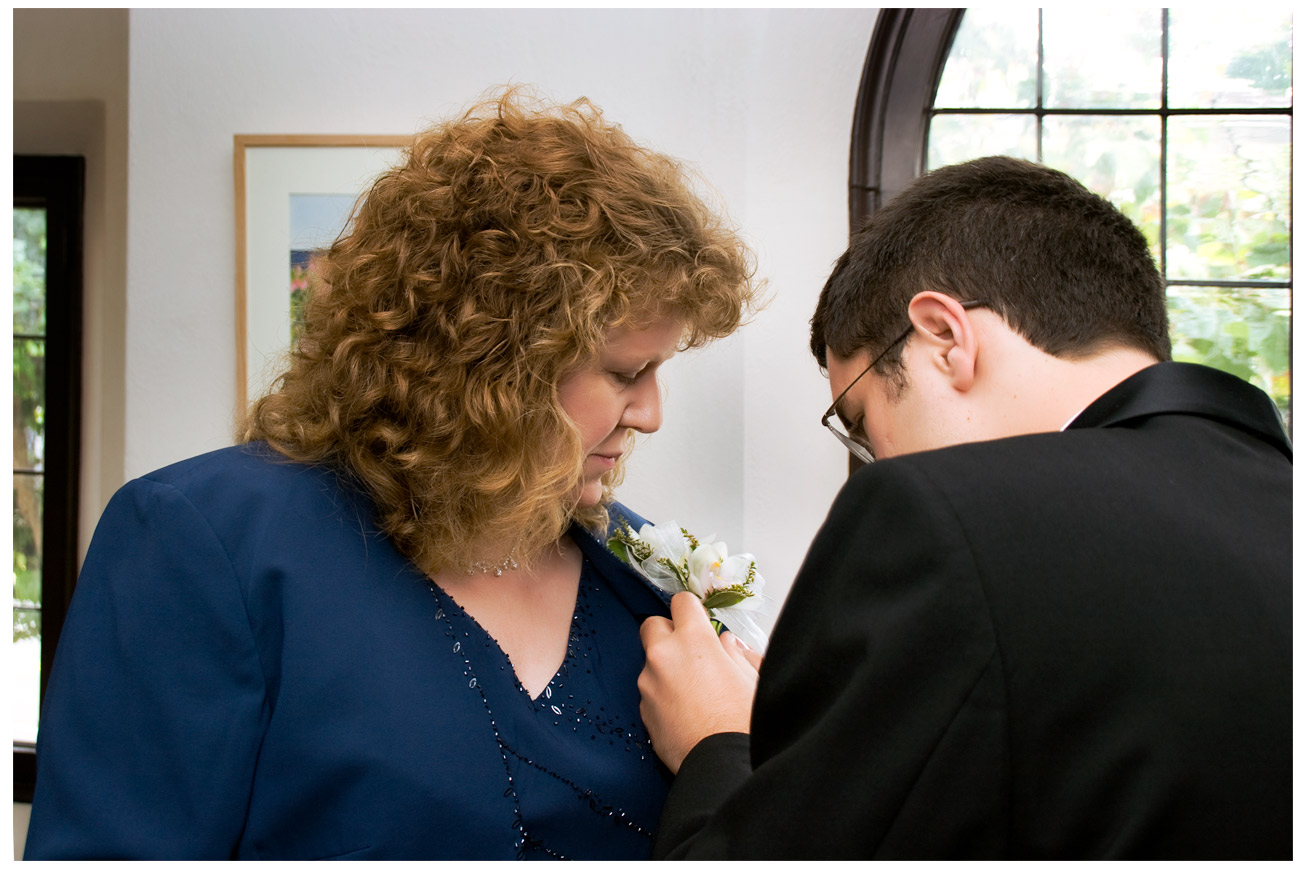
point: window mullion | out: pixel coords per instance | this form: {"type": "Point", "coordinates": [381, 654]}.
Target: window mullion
{"type": "Point", "coordinates": [1164, 241]}
{"type": "Point", "coordinates": [1038, 94]}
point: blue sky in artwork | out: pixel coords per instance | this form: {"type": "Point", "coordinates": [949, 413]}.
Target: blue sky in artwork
{"type": "Point", "coordinates": [317, 218]}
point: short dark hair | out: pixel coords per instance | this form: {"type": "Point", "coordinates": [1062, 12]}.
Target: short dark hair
{"type": "Point", "coordinates": [1060, 264]}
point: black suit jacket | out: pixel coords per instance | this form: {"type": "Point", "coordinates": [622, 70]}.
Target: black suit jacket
{"type": "Point", "coordinates": [1073, 644]}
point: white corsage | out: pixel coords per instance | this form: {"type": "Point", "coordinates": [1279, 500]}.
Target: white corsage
{"type": "Point", "coordinates": [675, 561]}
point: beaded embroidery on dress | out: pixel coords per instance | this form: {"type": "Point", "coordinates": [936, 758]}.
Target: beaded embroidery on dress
{"type": "Point", "coordinates": [580, 775]}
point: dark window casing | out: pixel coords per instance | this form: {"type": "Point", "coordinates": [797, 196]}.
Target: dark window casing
{"type": "Point", "coordinates": [909, 48]}
{"type": "Point", "coordinates": [56, 184]}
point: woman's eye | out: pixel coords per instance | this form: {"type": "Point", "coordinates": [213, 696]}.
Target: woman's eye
{"type": "Point", "coordinates": [626, 380]}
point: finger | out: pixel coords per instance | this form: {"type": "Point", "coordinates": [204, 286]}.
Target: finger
{"type": "Point", "coordinates": [740, 652]}
{"type": "Point", "coordinates": [753, 657]}
{"type": "Point", "coordinates": [688, 612]}
{"type": "Point", "coordinates": [654, 627]}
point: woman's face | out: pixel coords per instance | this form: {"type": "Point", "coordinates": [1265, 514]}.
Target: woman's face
{"type": "Point", "coordinates": [615, 393]}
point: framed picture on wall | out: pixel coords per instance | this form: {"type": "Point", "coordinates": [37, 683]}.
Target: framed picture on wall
{"type": "Point", "coordinates": [294, 195]}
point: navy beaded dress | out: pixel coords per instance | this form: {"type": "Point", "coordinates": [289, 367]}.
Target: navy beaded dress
{"type": "Point", "coordinates": [250, 670]}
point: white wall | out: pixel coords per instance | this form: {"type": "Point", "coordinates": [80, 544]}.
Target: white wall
{"type": "Point", "coordinates": [760, 101]}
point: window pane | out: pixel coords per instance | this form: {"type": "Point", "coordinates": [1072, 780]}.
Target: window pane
{"type": "Point", "coordinates": [28, 498]}
{"type": "Point", "coordinates": [1095, 59]}
{"type": "Point", "coordinates": [1117, 157]}
{"type": "Point", "coordinates": [1229, 198]}
{"type": "Point", "coordinates": [1243, 331]}
{"type": "Point", "coordinates": [29, 403]}
{"type": "Point", "coordinates": [993, 63]}
{"type": "Point", "coordinates": [29, 271]}
{"type": "Point", "coordinates": [1230, 57]}
{"type": "Point", "coordinates": [957, 138]}
{"type": "Point", "coordinates": [25, 681]}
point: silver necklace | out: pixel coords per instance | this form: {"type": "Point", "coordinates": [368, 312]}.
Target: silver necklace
{"type": "Point", "coordinates": [496, 568]}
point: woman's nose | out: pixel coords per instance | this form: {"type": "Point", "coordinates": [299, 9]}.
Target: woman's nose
{"type": "Point", "coordinates": [644, 413]}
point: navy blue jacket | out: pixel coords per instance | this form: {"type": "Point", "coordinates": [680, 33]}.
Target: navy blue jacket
{"type": "Point", "coordinates": [249, 669]}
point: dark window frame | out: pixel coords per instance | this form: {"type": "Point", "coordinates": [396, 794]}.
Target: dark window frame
{"type": "Point", "coordinates": [909, 48]}
{"type": "Point", "coordinates": [57, 184]}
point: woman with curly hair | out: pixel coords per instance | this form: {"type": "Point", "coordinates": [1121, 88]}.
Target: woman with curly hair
{"type": "Point", "coordinates": [386, 626]}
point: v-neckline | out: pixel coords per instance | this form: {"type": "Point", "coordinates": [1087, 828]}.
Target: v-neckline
{"type": "Point", "coordinates": [545, 692]}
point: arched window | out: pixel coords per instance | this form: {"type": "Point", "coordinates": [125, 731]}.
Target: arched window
{"type": "Point", "coordinates": [1182, 118]}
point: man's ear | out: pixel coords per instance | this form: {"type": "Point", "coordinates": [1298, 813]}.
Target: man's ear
{"type": "Point", "coordinates": [945, 330]}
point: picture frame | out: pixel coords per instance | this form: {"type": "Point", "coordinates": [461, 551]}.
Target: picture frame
{"type": "Point", "coordinates": [294, 194]}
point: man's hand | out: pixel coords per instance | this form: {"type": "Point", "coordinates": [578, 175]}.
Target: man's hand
{"type": "Point", "coordinates": [694, 684]}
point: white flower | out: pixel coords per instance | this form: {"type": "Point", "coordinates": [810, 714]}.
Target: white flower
{"type": "Point", "coordinates": [675, 561]}
{"type": "Point", "coordinates": [705, 564]}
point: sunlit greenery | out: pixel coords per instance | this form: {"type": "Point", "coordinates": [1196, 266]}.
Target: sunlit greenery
{"type": "Point", "coordinates": [29, 270]}
{"type": "Point", "coordinates": [27, 567]}
{"type": "Point", "coordinates": [1228, 198]}
{"type": "Point", "coordinates": [1242, 331]}
{"type": "Point", "coordinates": [28, 414]}
{"type": "Point", "coordinates": [993, 63]}
{"type": "Point", "coordinates": [1094, 60]}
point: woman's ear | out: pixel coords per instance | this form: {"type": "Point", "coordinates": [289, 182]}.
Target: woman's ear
{"type": "Point", "coordinates": [945, 331]}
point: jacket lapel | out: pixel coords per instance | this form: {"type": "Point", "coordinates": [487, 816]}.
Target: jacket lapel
{"type": "Point", "coordinates": [640, 597]}
{"type": "Point", "coordinates": [1185, 388]}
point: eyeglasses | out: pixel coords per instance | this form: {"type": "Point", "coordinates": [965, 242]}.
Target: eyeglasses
{"type": "Point", "coordinates": [859, 446]}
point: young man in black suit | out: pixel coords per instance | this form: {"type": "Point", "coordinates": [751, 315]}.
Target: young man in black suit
{"type": "Point", "coordinates": [1055, 621]}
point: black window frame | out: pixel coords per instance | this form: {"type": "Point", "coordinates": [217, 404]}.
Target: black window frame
{"type": "Point", "coordinates": [57, 184]}
{"type": "Point", "coordinates": [909, 48]}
